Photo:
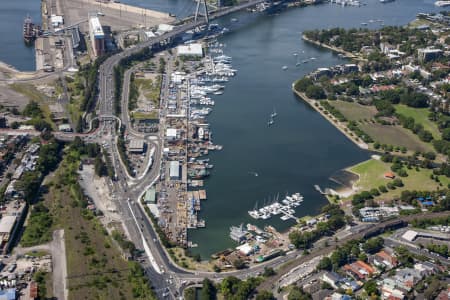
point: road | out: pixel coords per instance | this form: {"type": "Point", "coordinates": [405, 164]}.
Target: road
{"type": "Point", "coordinates": [270, 282]}
{"type": "Point", "coordinates": [168, 278]}
{"type": "Point", "coordinates": [59, 261]}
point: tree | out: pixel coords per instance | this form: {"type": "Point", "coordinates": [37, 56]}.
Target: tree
{"type": "Point", "coordinates": [404, 256]}
{"type": "Point", "coordinates": [100, 167]}
{"type": "Point", "coordinates": [302, 84]}
{"type": "Point", "coordinates": [397, 182]}
{"type": "Point", "coordinates": [228, 286]}
{"type": "Point", "coordinates": [383, 189]}
{"type": "Point", "coordinates": [48, 157]}
{"type": "Point", "coordinates": [373, 245]}
{"type": "Point", "coordinates": [189, 294]}
{"type": "Point", "coordinates": [315, 92]}
{"type": "Point", "coordinates": [374, 192]}
{"type": "Point", "coordinates": [371, 288]}
{"type": "Point", "coordinates": [239, 264]}
{"type": "Point", "coordinates": [32, 110]}
{"type": "Point", "coordinates": [325, 264]}
{"type": "Point", "coordinates": [298, 293]}
{"type": "Point", "coordinates": [29, 184]}
{"type": "Point", "coordinates": [446, 134]}
{"type": "Point", "coordinates": [430, 155]}
{"type": "Point", "coordinates": [41, 124]}
{"type": "Point", "coordinates": [265, 295]}
{"type": "Point", "coordinates": [208, 291]}
{"type": "Point", "coordinates": [402, 173]}
{"type": "Point", "coordinates": [268, 272]}
{"type": "Point", "coordinates": [79, 126]}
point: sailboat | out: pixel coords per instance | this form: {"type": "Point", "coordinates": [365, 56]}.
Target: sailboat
{"type": "Point", "coordinates": [270, 122]}
{"type": "Point", "coordinates": [273, 114]}
{"type": "Point", "coordinates": [297, 63]}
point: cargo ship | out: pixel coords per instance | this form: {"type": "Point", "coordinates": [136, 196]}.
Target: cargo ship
{"type": "Point", "coordinates": [30, 30]}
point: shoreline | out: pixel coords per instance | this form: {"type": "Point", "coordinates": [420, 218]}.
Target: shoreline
{"type": "Point", "coordinates": [335, 123]}
{"type": "Point", "coordinates": [334, 49]}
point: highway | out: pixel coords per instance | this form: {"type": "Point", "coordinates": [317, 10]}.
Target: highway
{"type": "Point", "coordinates": [169, 278]}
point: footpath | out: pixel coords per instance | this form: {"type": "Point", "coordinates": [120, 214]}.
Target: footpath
{"type": "Point", "coordinates": [339, 125]}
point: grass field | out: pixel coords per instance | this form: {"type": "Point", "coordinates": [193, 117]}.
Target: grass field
{"type": "Point", "coordinates": [189, 262]}
{"type": "Point", "coordinates": [37, 253]}
{"type": "Point", "coordinates": [150, 88]}
{"type": "Point", "coordinates": [384, 134]}
{"type": "Point", "coordinates": [372, 171]}
{"type": "Point", "coordinates": [96, 268]}
{"type": "Point", "coordinates": [142, 116]}
{"type": "Point", "coordinates": [33, 94]}
{"type": "Point", "coordinates": [396, 136]}
{"type": "Point", "coordinates": [354, 111]}
{"type": "Point", "coordinates": [76, 89]}
{"type": "Point", "coordinates": [420, 115]}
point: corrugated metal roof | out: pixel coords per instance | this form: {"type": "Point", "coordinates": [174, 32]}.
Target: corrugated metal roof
{"type": "Point", "coordinates": [150, 195]}
{"type": "Point", "coordinates": [7, 224]}
{"type": "Point", "coordinates": [96, 27]}
{"type": "Point", "coordinates": [174, 171]}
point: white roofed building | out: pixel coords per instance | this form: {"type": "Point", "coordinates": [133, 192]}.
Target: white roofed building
{"type": "Point", "coordinates": [174, 170]}
{"type": "Point", "coordinates": [97, 36]}
{"type": "Point", "coordinates": [163, 28]}
{"type": "Point", "coordinates": [56, 20]}
{"type": "Point", "coordinates": [171, 134]}
{"type": "Point", "coordinates": [136, 146]}
{"type": "Point", "coordinates": [245, 249]}
{"type": "Point", "coordinates": [193, 50]}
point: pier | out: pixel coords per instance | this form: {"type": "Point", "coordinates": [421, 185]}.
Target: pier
{"type": "Point", "coordinates": [275, 208]}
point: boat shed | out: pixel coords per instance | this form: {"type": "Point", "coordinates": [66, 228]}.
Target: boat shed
{"type": "Point", "coordinates": [245, 249]}
{"type": "Point", "coordinates": [150, 196]}
{"type": "Point", "coordinates": [56, 20]}
{"type": "Point", "coordinates": [192, 50]}
{"type": "Point", "coordinates": [410, 235]}
{"type": "Point", "coordinates": [6, 226]}
{"type": "Point", "coordinates": [171, 134]}
{"type": "Point", "coordinates": [136, 146]}
{"type": "Point", "coordinates": [174, 171]}
{"type": "Point", "coordinates": [163, 28]}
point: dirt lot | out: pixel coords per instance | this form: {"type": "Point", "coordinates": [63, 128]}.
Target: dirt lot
{"type": "Point", "coordinates": [11, 98]}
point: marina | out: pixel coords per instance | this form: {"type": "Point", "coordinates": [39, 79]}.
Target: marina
{"type": "Point", "coordinates": [275, 162]}
{"type": "Point", "coordinates": [297, 152]}
{"type": "Point", "coordinates": [285, 208]}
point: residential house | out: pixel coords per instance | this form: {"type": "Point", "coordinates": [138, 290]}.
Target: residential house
{"type": "Point", "coordinates": [333, 279]}
{"type": "Point", "coordinates": [384, 259]}
{"type": "Point", "coordinates": [359, 270]}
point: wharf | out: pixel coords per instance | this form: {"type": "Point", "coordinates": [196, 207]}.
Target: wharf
{"type": "Point", "coordinates": [202, 194]}
{"type": "Point", "coordinates": [118, 16]}
{"type": "Point", "coordinates": [40, 53]}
